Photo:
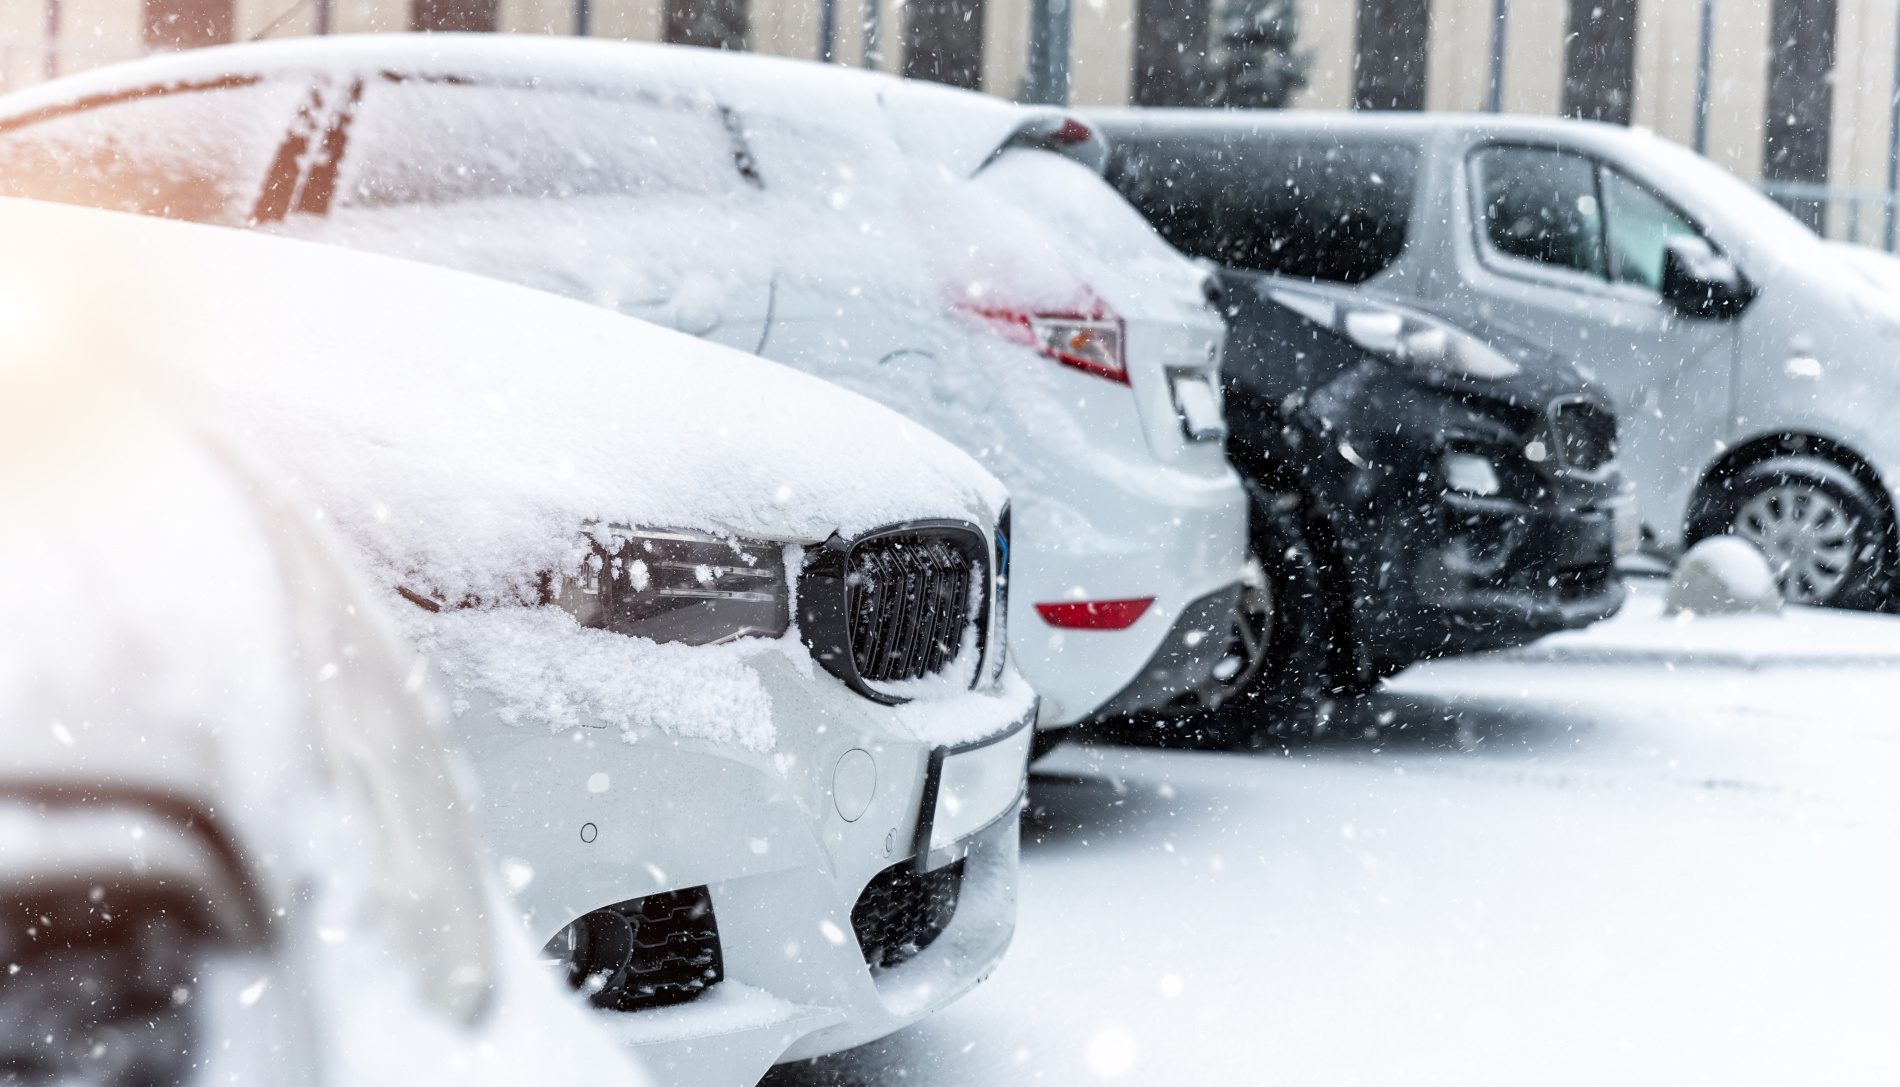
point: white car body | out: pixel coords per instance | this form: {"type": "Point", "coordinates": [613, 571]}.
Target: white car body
{"type": "Point", "coordinates": [1807, 365]}
{"type": "Point", "coordinates": [461, 434]}
{"type": "Point", "coordinates": [232, 845]}
{"type": "Point", "coordinates": [900, 239]}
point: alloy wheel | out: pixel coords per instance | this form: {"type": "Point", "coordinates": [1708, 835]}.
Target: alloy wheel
{"type": "Point", "coordinates": [1807, 536]}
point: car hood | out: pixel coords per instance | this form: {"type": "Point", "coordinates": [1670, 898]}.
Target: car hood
{"type": "Point", "coordinates": [458, 430]}
{"type": "Point", "coordinates": [1542, 375]}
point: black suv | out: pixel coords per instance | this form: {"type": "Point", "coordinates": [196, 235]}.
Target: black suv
{"type": "Point", "coordinates": [1420, 487]}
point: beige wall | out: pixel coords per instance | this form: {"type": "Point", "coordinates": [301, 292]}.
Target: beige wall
{"type": "Point", "coordinates": [101, 31]}
{"type": "Point", "coordinates": [1328, 28]}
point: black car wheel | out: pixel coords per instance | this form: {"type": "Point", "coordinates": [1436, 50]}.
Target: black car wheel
{"type": "Point", "coordinates": [1292, 681]}
{"type": "Point", "coordinates": [1820, 528]}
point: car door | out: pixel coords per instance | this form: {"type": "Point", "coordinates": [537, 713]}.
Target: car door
{"type": "Point", "coordinates": [1570, 251]}
{"type": "Point", "coordinates": [607, 195]}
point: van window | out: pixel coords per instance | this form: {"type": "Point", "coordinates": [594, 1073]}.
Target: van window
{"type": "Point", "coordinates": [1541, 205]}
{"type": "Point", "coordinates": [1314, 207]}
{"type": "Point", "coordinates": [195, 153]}
{"type": "Point", "coordinates": [1638, 226]}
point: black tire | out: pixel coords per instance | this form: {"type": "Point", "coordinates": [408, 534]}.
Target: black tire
{"type": "Point", "coordinates": [1821, 528]}
{"type": "Point", "coordinates": [1293, 686]}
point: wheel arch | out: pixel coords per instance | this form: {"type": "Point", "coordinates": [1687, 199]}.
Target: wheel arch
{"type": "Point", "coordinates": [1276, 471]}
{"type": "Point", "coordinates": [1702, 518]}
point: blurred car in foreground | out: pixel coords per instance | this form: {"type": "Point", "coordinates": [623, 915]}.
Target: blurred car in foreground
{"type": "Point", "coordinates": [1422, 485]}
{"type": "Point", "coordinates": [1751, 362]}
{"type": "Point", "coordinates": [232, 849]}
{"type": "Point", "coordinates": [721, 638]}
{"type": "Point", "coordinates": [947, 254]}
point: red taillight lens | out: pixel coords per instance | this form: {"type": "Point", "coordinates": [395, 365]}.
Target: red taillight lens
{"type": "Point", "coordinates": [1095, 614]}
{"type": "Point", "coordinates": [1093, 346]}
{"type": "Point", "coordinates": [1091, 343]}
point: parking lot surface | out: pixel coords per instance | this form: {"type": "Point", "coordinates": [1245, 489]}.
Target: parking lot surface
{"type": "Point", "coordinates": [1659, 850]}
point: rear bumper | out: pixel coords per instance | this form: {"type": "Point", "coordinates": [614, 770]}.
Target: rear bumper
{"type": "Point", "coordinates": [1198, 641]}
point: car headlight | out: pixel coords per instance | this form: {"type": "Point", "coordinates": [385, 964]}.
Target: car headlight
{"type": "Point", "coordinates": [1408, 339]}
{"type": "Point", "coordinates": [999, 638]}
{"type": "Point", "coordinates": [676, 586]}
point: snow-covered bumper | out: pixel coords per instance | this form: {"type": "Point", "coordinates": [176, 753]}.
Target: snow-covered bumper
{"type": "Point", "coordinates": [804, 899]}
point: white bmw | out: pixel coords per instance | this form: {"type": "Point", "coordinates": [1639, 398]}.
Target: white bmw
{"type": "Point", "coordinates": [723, 639]}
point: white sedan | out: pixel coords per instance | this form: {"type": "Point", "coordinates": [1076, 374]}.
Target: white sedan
{"type": "Point", "coordinates": [722, 639]}
{"type": "Point", "coordinates": [950, 255]}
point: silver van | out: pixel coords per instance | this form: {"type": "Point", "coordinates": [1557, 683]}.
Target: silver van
{"type": "Point", "coordinates": [1752, 363]}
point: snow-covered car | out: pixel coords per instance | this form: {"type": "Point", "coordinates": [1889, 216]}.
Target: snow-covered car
{"type": "Point", "coordinates": [722, 640]}
{"type": "Point", "coordinates": [948, 254]}
{"type": "Point", "coordinates": [1752, 363]}
{"type": "Point", "coordinates": [232, 844]}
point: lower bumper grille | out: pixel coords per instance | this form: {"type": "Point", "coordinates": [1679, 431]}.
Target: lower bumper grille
{"type": "Point", "coordinates": [903, 911]}
{"type": "Point", "coordinates": [645, 952]}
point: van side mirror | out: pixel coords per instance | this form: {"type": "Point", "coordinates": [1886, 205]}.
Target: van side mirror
{"type": "Point", "coordinates": [1701, 282]}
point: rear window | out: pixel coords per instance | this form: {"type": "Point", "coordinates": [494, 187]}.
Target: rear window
{"type": "Point", "coordinates": [1318, 208]}
{"type": "Point", "coordinates": [436, 141]}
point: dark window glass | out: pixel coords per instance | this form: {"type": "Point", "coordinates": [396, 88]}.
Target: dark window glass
{"type": "Point", "coordinates": [187, 24]}
{"type": "Point", "coordinates": [200, 155]}
{"type": "Point", "coordinates": [716, 24]}
{"type": "Point", "coordinates": [1541, 205]}
{"type": "Point", "coordinates": [1638, 226]}
{"type": "Point", "coordinates": [1316, 208]}
{"type": "Point", "coordinates": [943, 42]}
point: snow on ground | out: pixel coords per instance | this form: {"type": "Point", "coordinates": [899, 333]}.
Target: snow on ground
{"type": "Point", "coordinates": [1654, 852]}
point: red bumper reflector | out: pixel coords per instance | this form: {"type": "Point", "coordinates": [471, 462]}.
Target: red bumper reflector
{"type": "Point", "coordinates": [1095, 614]}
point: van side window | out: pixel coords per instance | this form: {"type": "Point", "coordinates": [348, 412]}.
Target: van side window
{"type": "Point", "coordinates": [1638, 226]}
{"type": "Point", "coordinates": [199, 153]}
{"type": "Point", "coordinates": [1319, 208]}
{"type": "Point", "coordinates": [1541, 205]}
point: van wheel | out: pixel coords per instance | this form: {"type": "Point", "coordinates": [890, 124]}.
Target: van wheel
{"type": "Point", "coordinates": [1821, 530]}
{"type": "Point", "coordinates": [1291, 685]}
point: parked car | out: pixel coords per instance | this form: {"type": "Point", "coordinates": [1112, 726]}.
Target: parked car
{"type": "Point", "coordinates": [232, 845]}
{"type": "Point", "coordinates": [952, 256]}
{"type": "Point", "coordinates": [723, 641]}
{"type": "Point", "coordinates": [1750, 363]}
{"type": "Point", "coordinates": [1422, 485]}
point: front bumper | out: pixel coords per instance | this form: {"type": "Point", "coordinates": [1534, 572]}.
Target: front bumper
{"type": "Point", "coordinates": [765, 834]}
{"type": "Point", "coordinates": [1496, 572]}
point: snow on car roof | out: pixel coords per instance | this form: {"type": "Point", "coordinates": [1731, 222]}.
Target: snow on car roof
{"type": "Point", "coordinates": [459, 431]}
{"type": "Point", "coordinates": [953, 128]}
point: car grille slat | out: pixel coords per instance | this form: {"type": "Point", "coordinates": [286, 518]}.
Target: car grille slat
{"type": "Point", "coordinates": [909, 602]}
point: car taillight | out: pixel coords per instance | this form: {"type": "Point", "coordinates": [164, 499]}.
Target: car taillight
{"type": "Point", "coordinates": [1090, 342]}
{"type": "Point", "coordinates": [1092, 346]}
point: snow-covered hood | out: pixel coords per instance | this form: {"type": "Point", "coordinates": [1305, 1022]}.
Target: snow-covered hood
{"type": "Point", "coordinates": [512, 418]}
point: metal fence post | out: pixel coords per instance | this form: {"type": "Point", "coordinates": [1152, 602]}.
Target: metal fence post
{"type": "Point", "coordinates": [1893, 136]}
{"type": "Point", "coordinates": [52, 39]}
{"type": "Point", "coordinates": [1703, 42]}
{"type": "Point", "coordinates": [1500, 17]}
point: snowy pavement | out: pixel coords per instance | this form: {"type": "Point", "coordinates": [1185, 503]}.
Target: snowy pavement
{"type": "Point", "coordinates": [1652, 852]}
